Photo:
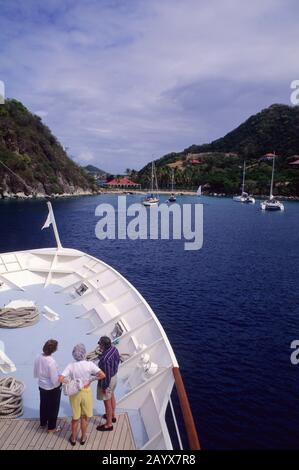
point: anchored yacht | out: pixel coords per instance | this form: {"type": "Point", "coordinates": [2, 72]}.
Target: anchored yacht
{"type": "Point", "coordinates": [80, 298]}
{"type": "Point", "coordinates": [172, 197]}
{"type": "Point", "coordinates": [272, 204]}
{"type": "Point", "coordinates": [152, 199]}
{"type": "Point", "coordinates": [244, 197]}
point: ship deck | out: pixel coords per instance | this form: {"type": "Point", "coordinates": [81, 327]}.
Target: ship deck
{"type": "Point", "coordinates": [52, 279]}
{"type": "Point", "coordinates": [26, 434]}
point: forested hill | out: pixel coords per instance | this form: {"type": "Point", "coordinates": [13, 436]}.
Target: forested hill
{"type": "Point", "coordinates": [30, 150]}
{"type": "Point", "coordinates": [217, 165]}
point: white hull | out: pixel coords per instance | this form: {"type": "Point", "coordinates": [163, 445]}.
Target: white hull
{"type": "Point", "coordinates": [151, 202]}
{"type": "Point", "coordinates": [88, 299]}
{"type": "Point", "coordinates": [272, 206]}
{"type": "Point", "coordinates": [244, 199]}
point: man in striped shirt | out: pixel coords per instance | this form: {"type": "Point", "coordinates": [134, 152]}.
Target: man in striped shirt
{"type": "Point", "coordinates": [108, 363]}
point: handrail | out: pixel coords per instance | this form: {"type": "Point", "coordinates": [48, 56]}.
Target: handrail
{"type": "Point", "coordinates": [186, 410]}
{"type": "Point", "coordinates": [175, 424]}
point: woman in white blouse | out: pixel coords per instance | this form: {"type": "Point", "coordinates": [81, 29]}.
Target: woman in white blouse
{"type": "Point", "coordinates": [46, 371]}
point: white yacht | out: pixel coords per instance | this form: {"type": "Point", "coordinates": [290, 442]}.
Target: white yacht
{"type": "Point", "coordinates": [244, 197]}
{"type": "Point", "coordinates": [272, 204]}
{"type": "Point", "coordinates": [79, 298]}
{"type": "Point", "coordinates": [152, 199]}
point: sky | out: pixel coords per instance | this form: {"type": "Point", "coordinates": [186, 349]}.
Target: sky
{"type": "Point", "coordinates": [123, 82]}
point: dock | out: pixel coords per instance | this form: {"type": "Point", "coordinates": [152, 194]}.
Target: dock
{"type": "Point", "coordinates": [26, 434]}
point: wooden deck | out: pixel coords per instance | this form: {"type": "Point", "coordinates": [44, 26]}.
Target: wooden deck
{"type": "Point", "coordinates": [26, 434]}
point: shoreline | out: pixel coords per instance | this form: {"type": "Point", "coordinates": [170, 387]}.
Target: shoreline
{"type": "Point", "coordinates": [41, 196]}
{"type": "Point", "coordinates": [193, 193]}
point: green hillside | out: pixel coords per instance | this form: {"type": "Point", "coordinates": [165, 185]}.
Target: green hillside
{"type": "Point", "coordinates": [29, 149]}
{"type": "Point", "coordinates": [219, 167]}
{"type": "Point", "coordinates": [94, 170]}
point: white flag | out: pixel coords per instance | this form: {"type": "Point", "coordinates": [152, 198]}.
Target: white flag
{"type": "Point", "coordinates": [48, 222]}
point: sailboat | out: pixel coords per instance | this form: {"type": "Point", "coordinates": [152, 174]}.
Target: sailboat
{"type": "Point", "coordinates": [272, 204]}
{"type": "Point", "coordinates": [151, 199]}
{"type": "Point", "coordinates": [244, 197]}
{"type": "Point", "coordinates": [198, 192]}
{"type": "Point", "coordinates": [172, 197]}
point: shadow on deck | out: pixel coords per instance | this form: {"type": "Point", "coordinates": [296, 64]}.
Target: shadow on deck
{"type": "Point", "coordinates": [26, 434]}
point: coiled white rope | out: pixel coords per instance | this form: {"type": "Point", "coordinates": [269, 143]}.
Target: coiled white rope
{"type": "Point", "coordinates": [18, 317]}
{"type": "Point", "coordinates": [11, 402]}
{"type": "Point", "coordinates": [96, 355]}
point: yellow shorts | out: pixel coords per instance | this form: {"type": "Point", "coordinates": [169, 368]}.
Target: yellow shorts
{"type": "Point", "coordinates": [82, 404]}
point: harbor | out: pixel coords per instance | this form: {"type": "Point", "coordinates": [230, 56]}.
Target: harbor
{"type": "Point", "coordinates": [149, 208]}
{"type": "Point", "coordinates": [221, 339]}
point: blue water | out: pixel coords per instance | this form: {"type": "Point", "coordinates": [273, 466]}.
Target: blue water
{"type": "Point", "coordinates": [229, 309]}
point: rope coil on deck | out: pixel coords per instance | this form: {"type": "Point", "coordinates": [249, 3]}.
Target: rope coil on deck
{"type": "Point", "coordinates": [11, 403]}
{"type": "Point", "coordinates": [18, 317]}
{"type": "Point", "coordinates": [96, 354]}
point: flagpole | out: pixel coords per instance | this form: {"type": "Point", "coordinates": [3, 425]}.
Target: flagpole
{"type": "Point", "coordinates": [54, 225]}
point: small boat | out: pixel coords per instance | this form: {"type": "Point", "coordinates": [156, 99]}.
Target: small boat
{"type": "Point", "coordinates": [198, 192]}
{"type": "Point", "coordinates": [272, 204]}
{"type": "Point", "coordinates": [244, 197]}
{"type": "Point", "coordinates": [172, 197]}
{"type": "Point", "coordinates": [151, 199]}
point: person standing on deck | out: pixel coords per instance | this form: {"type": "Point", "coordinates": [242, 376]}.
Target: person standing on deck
{"type": "Point", "coordinates": [109, 362]}
{"type": "Point", "coordinates": [81, 402]}
{"type": "Point", "coordinates": [46, 371]}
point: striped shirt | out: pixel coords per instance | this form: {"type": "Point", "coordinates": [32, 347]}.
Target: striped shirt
{"type": "Point", "coordinates": [109, 362]}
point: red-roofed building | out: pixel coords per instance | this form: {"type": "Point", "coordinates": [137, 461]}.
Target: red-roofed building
{"type": "Point", "coordinates": [270, 155]}
{"type": "Point", "coordinates": [296, 163]}
{"type": "Point", "coordinates": [123, 182]}
{"type": "Point", "coordinates": [194, 162]}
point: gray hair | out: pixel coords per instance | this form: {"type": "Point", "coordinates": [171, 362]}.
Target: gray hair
{"type": "Point", "coordinates": [79, 352]}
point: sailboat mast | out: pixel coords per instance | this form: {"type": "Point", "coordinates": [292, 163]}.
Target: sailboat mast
{"type": "Point", "coordinates": [156, 180]}
{"type": "Point", "coordinates": [272, 178]}
{"type": "Point", "coordinates": [172, 177]}
{"type": "Point", "coordinates": [243, 182]}
{"type": "Point", "coordinates": [152, 184]}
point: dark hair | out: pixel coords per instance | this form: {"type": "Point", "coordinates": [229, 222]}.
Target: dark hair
{"type": "Point", "coordinates": [105, 342]}
{"type": "Point", "coordinates": [50, 347]}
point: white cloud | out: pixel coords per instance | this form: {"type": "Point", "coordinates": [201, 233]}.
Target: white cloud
{"type": "Point", "coordinates": [124, 80]}
{"type": "Point", "coordinates": [85, 157]}
{"type": "Point", "coordinates": [41, 113]}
